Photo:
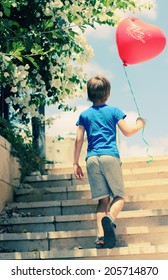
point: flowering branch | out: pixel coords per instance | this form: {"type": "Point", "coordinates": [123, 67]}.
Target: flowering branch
{"type": "Point", "coordinates": [43, 48]}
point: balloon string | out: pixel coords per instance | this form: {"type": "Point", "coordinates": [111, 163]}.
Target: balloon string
{"type": "Point", "coordinates": [147, 149]}
{"type": "Point", "coordinates": [132, 91]}
{"type": "Point", "coordinates": [143, 138]}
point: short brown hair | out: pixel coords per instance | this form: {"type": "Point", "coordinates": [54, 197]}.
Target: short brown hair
{"type": "Point", "coordinates": [98, 88]}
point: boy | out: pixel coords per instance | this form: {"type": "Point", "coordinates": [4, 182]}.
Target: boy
{"type": "Point", "coordinates": [103, 159]}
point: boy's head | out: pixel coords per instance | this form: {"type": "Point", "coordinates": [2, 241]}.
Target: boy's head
{"type": "Point", "coordinates": [98, 89]}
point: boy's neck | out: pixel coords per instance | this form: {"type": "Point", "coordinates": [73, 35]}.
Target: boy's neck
{"type": "Point", "coordinates": [98, 103]}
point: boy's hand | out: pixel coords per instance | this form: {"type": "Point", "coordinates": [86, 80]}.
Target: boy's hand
{"type": "Point", "coordinates": [78, 172]}
{"type": "Point", "coordinates": [141, 122]}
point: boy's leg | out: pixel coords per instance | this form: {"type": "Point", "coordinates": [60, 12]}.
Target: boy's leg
{"type": "Point", "coordinates": [112, 171]}
{"type": "Point", "coordinates": [108, 222]}
{"type": "Point", "coordinates": [102, 210]}
{"type": "Point", "coordinates": [116, 207]}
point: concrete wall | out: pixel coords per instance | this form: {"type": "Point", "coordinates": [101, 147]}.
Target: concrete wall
{"type": "Point", "coordinates": [62, 151]}
{"type": "Point", "coordinates": [9, 173]}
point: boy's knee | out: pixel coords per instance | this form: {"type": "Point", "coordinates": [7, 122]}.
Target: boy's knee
{"type": "Point", "coordinates": [104, 201]}
{"type": "Point", "coordinates": [119, 198]}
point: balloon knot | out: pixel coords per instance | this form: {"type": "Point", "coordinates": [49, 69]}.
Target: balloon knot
{"type": "Point", "coordinates": [124, 63]}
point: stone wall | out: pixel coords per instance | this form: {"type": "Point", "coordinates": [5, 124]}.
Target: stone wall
{"type": "Point", "coordinates": [9, 173]}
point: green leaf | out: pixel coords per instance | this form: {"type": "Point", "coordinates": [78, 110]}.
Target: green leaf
{"type": "Point", "coordinates": [19, 58]}
{"type": "Point", "coordinates": [17, 46]}
{"type": "Point", "coordinates": [108, 2]}
{"type": "Point", "coordinates": [59, 138]}
{"type": "Point", "coordinates": [48, 24]}
{"type": "Point", "coordinates": [31, 59]}
{"type": "Point", "coordinates": [110, 14]}
{"type": "Point", "coordinates": [7, 11]}
{"type": "Point", "coordinates": [132, 3]}
{"type": "Point", "coordinates": [37, 49]}
{"type": "Point", "coordinates": [72, 18]}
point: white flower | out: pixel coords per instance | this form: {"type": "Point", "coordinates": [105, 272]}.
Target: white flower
{"type": "Point", "coordinates": [38, 15]}
{"type": "Point", "coordinates": [27, 67]}
{"type": "Point", "coordinates": [103, 17]}
{"type": "Point", "coordinates": [56, 4]}
{"type": "Point", "coordinates": [14, 5]}
{"type": "Point", "coordinates": [56, 83]}
{"type": "Point", "coordinates": [23, 83]}
{"type": "Point", "coordinates": [27, 99]}
{"type": "Point", "coordinates": [14, 89]}
{"type": "Point", "coordinates": [48, 12]}
{"type": "Point", "coordinates": [42, 118]}
{"type": "Point", "coordinates": [38, 77]}
{"type": "Point", "coordinates": [6, 74]}
{"type": "Point", "coordinates": [25, 110]}
{"type": "Point", "coordinates": [8, 100]}
{"type": "Point", "coordinates": [7, 58]}
{"type": "Point", "coordinates": [65, 47]}
{"type": "Point", "coordinates": [19, 116]}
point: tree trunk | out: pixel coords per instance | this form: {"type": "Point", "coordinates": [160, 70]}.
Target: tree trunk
{"type": "Point", "coordinates": [38, 131]}
{"type": "Point", "coordinates": [4, 107]}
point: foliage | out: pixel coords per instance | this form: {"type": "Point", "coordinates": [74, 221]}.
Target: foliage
{"type": "Point", "coordinates": [43, 48]}
{"type": "Point", "coordinates": [30, 159]}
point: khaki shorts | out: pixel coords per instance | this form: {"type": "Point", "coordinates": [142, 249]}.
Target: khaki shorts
{"type": "Point", "coordinates": [105, 176]}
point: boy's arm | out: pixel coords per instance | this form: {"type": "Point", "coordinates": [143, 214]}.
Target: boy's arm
{"type": "Point", "coordinates": [77, 149]}
{"type": "Point", "coordinates": [131, 130]}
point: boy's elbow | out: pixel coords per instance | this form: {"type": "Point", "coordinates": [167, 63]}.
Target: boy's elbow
{"type": "Point", "coordinates": [127, 133]}
{"type": "Point", "coordinates": [78, 141]}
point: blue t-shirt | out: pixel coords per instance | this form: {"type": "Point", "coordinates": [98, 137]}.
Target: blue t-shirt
{"type": "Point", "coordinates": [100, 125]}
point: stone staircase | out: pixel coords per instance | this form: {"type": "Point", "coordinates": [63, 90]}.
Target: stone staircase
{"type": "Point", "coordinates": [53, 216]}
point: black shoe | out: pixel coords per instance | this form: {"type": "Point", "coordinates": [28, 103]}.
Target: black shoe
{"type": "Point", "coordinates": [109, 233]}
{"type": "Point", "coordinates": [99, 242]}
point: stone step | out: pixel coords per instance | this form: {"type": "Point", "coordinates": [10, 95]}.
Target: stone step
{"type": "Point", "coordinates": [66, 180]}
{"type": "Point", "coordinates": [23, 242]}
{"type": "Point", "coordinates": [146, 202]}
{"type": "Point", "coordinates": [125, 237]}
{"type": "Point", "coordinates": [54, 216]}
{"type": "Point", "coordinates": [159, 172]}
{"type": "Point", "coordinates": [29, 224]}
{"type": "Point", "coordinates": [158, 217]}
{"type": "Point", "coordinates": [127, 163]}
{"type": "Point", "coordinates": [43, 194]}
{"type": "Point", "coordinates": [154, 252]}
{"type": "Point", "coordinates": [39, 181]}
{"type": "Point", "coordinates": [83, 206]}
{"type": "Point", "coordinates": [83, 191]}
{"type": "Point", "coordinates": [84, 239]}
{"type": "Point", "coordinates": [142, 252]}
{"type": "Point", "coordinates": [136, 174]}
{"type": "Point", "coordinates": [125, 218]}
{"type": "Point", "coordinates": [144, 162]}
{"type": "Point", "coordinates": [146, 186]}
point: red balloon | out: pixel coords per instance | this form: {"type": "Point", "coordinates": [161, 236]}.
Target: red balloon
{"type": "Point", "coordinates": [138, 41]}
